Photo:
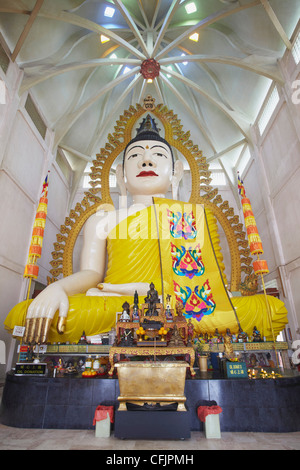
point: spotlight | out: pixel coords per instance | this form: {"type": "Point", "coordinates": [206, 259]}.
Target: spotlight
{"type": "Point", "coordinates": [190, 8]}
{"type": "Point", "coordinates": [109, 12]}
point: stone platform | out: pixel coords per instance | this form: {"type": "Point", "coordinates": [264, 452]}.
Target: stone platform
{"type": "Point", "coordinates": [261, 405]}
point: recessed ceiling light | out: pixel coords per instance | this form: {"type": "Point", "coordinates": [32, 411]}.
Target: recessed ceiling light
{"type": "Point", "coordinates": [190, 8]}
{"type": "Point", "coordinates": [127, 69]}
{"type": "Point", "coordinates": [184, 63]}
{"type": "Point", "coordinates": [104, 39]}
{"type": "Point", "coordinates": [149, 80]}
{"type": "Point", "coordinates": [194, 37]}
{"type": "Point", "coordinates": [109, 12]}
{"type": "Point", "coordinates": [113, 56]}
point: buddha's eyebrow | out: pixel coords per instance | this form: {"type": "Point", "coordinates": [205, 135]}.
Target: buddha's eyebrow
{"type": "Point", "coordinates": [135, 146]}
{"type": "Point", "coordinates": [160, 146]}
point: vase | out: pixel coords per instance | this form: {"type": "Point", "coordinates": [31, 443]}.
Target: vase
{"type": "Point", "coordinates": [202, 363]}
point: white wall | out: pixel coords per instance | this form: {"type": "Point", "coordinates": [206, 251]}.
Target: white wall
{"type": "Point", "coordinates": [272, 180]}
{"type": "Point", "coordinates": [25, 158]}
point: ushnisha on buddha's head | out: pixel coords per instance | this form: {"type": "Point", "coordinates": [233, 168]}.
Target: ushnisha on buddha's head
{"type": "Point", "coordinates": [148, 164]}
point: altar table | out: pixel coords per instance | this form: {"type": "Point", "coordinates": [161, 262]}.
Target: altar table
{"type": "Point", "coordinates": [151, 351]}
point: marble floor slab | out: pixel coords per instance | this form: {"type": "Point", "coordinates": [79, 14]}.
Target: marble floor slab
{"type": "Point", "coordinates": [59, 439]}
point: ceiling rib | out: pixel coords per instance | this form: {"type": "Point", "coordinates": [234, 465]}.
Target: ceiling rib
{"type": "Point", "coordinates": [168, 17]}
{"type": "Point", "coordinates": [232, 186]}
{"type": "Point", "coordinates": [276, 23]}
{"type": "Point", "coordinates": [61, 54]}
{"type": "Point", "coordinates": [73, 104]}
{"type": "Point", "coordinates": [189, 110]}
{"type": "Point", "coordinates": [132, 24]}
{"type": "Point", "coordinates": [236, 166]}
{"type": "Point", "coordinates": [238, 120]}
{"type": "Point", "coordinates": [93, 147]}
{"type": "Point", "coordinates": [228, 149]}
{"type": "Point", "coordinates": [212, 75]}
{"type": "Point", "coordinates": [76, 20]}
{"type": "Point", "coordinates": [270, 70]}
{"type": "Point", "coordinates": [142, 91]}
{"type": "Point", "coordinates": [27, 28]}
{"type": "Point", "coordinates": [116, 106]}
{"type": "Point", "coordinates": [158, 90]}
{"type": "Point", "coordinates": [157, 7]}
{"type": "Point", "coordinates": [64, 124]}
{"type": "Point", "coordinates": [203, 24]}
{"type": "Point", "coordinates": [142, 10]}
{"type": "Point", "coordinates": [75, 152]}
{"type": "Point", "coordinates": [196, 113]}
{"type": "Point", "coordinates": [91, 25]}
{"type": "Point", "coordinates": [31, 80]}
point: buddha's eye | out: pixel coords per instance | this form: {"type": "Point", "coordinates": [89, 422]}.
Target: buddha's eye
{"type": "Point", "coordinates": [160, 154]}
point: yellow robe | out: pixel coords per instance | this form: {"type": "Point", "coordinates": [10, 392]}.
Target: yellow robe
{"type": "Point", "coordinates": [135, 248]}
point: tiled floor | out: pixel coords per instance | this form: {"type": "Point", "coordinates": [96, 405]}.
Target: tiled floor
{"type": "Point", "coordinates": [60, 439]}
{"type": "Point", "coordinates": [53, 439]}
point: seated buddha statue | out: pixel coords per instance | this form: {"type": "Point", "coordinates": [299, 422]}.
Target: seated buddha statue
{"type": "Point", "coordinates": [157, 240]}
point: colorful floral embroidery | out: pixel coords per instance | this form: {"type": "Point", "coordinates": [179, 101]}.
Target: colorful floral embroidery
{"type": "Point", "coordinates": [187, 262]}
{"type": "Point", "coordinates": [182, 225]}
{"type": "Point", "coordinates": [197, 303]}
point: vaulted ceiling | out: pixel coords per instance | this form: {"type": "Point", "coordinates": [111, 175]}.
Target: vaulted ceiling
{"type": "Point", "coordinates": [84, 68]}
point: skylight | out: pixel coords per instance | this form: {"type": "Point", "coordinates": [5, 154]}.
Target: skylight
{"type": "Point", "coordinates": [296, 50]}
{"type": "Point", "coordinates": [190, 8]}
{"type": "Point", "coordinates": [109, 12]}
{"type": "Point", "coordinates": [126, 70]}
{"type": "Point", "coordinates": [194, 37]}
{"type": "Point", "coordinates": [112, 180]}
{"type": "Point", "coordinates": [268, 110]}
{"type": "Point", "coordinates": [183, 55]}
{"type": "Point", "coordinates": [104, 39]}
{"type": "Point", "coordinates": [218, 178]}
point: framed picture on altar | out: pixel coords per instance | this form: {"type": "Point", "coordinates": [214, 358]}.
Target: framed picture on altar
{"type": "Point", "coordinates": [260, 359]}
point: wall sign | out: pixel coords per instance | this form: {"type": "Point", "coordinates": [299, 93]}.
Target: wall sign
{"type": "Point", "coordinates": [30, 369]}
{"type": "Point", "coordinates": [236, 370]}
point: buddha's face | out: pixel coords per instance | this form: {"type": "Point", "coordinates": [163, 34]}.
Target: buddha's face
{"type": "Point", "coordinates": [148, 167]}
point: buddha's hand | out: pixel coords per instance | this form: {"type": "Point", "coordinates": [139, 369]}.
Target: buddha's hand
{"type": "Point", "coordinates": [41, 312]}
{"type": "Point", "coordinates": [122, 289]}
{"type": "Point", "coordinates": [96, 292]}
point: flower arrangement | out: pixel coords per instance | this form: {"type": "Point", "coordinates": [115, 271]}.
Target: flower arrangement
{"type": "Point", "coordinates": [199, 347]}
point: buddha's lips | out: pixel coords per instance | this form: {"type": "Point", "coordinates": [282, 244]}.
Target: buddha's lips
{"type": "Point", "coordinates": [146, 173]}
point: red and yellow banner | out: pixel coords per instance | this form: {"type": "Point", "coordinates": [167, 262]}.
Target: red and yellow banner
{"type": "Point", "coordinates": [35, 250]}
{"type": "Point", "coordinates": [255, 244]}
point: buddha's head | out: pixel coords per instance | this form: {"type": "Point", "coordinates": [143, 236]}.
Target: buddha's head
{"type": "Point", "coordinates": [148, 164]}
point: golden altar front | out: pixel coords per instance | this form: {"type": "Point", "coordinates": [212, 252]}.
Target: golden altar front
{"type": "Point", "coordinates": [151, 352]}
{"type": "Point", "coordinates": [152, 383]}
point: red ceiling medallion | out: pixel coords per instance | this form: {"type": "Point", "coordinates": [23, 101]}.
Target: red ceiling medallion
{"type": "Point", "coordinates": [150, 68]}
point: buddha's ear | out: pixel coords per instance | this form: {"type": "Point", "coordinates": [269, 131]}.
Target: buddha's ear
{"type": "Point", "coordinates": [121, 184]}
{"type": "Point", "coordinates": [177, 176]}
